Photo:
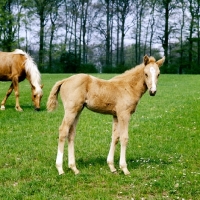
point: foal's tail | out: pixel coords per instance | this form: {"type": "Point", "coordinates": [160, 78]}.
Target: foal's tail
{"type": "Point", "coordinates": [52, 102]}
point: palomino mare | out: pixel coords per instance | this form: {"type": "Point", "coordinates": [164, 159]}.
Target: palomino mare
{"type": "Point", "coordinates": [118, 96]}
{"type": "Point", "coordinates": [16, 66]}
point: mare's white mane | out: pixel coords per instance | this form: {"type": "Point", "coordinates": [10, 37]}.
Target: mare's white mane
{"type": "Point", "coordinates": [32, 70]}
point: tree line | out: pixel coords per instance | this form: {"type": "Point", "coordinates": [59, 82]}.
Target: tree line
{"type": "Point", "coordinates": [103, 35]}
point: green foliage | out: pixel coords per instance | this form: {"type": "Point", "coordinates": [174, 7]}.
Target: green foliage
{"type": "Point", "coordinates": [71, 62]}
{"type": "Point", "coordinates": [118, 69]}
{"type": "Point", "coordinates": [163, 151]}
{"type": "Point", "coordinates": [121, 68]}
{"type": "Point", "coordinates": [8, 26]}
{"type": "Point", "coordinates": [107, 69]}
{"type": "Point", "coordinates": [179, 60]}
{"type": "Point", "coordinates": [87, 68]}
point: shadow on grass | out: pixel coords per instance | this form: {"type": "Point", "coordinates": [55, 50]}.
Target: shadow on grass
{"type": "Point", "coordinates": [132, 163]}
{"type": "Point", "coordinates": [91, 161]}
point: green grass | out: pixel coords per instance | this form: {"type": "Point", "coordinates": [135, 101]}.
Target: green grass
{"type": "Point", "coordinates": [163, 153]}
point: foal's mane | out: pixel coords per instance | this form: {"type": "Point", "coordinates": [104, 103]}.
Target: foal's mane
{"type": "Point", "coordinates": [131, 73]}
{"type": "Point", "coordinates": [134, 72]}
{"type": "Point", "coordinates": [31, 69]}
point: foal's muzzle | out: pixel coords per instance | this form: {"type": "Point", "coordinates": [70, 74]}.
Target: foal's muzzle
{"type": "Point", "coordinates": [152, 92]}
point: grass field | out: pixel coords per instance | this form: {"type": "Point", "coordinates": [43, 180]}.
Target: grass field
{"type": "Point", "coordinates": [163, 153]}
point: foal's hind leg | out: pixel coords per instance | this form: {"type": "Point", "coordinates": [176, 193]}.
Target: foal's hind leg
{"type": "Point", "coordinates": [6, 97]}
{"type": "Point", "coordinates": [115, 139]}
{"type": "Point", "coordinates": [71, 155]}
{"type": "Point", "coordinates": [67, 129]}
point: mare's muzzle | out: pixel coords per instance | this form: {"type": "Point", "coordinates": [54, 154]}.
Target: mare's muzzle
{"type": "Point", "coordinates": [37, 109]}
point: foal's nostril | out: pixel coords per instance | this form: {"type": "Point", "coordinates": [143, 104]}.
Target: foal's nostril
{"type": "Point", "coordinates": [152, 92]}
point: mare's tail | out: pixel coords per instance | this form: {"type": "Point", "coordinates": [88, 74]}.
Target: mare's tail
{"type": "Point", "coordinates": [52, 102]}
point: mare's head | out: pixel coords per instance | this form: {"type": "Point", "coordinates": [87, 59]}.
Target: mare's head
{"type": "Point", "coordinates": [37, 96]}
{"type": "Point", "coordinates": [152, 72]}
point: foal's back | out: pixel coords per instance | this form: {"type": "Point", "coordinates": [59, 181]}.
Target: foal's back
{"type": "Point", "coordinates": [96, 94]}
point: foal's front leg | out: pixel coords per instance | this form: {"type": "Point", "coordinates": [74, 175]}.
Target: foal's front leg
{"type": "Point", "coordinates": [123, 121]}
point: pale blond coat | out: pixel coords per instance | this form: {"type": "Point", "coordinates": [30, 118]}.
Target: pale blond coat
{"type": "Point", "coordinates": [118, 97]}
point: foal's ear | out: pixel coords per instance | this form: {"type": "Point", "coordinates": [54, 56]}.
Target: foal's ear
{"type": "Point", "coordinates": [160, 62]}
{"type": "Point", "coordinates": [146, 60]}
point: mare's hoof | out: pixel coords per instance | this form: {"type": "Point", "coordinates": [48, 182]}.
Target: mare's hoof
{"type": "Point", "coordinates": [18, 109]}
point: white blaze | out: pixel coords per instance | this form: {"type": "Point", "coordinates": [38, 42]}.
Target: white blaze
{"type": "Point", "coordinates": [153, 76]}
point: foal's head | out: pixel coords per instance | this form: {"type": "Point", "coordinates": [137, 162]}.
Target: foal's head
{"type": "Point", "coordinates": [152, 72]}
{"type": "Point", "coordinates": [37, 96]}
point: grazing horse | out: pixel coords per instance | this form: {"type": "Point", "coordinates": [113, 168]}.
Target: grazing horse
{"type": "Point", "coordinates": [16, 66]}
{"type": "Point", "coordinates": [118, 96]}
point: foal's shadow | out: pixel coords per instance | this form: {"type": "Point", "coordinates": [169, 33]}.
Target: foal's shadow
{"type": "Point", "coordinates": [94, 161]}
{"type": "Point", "coordinates": [133, 163]}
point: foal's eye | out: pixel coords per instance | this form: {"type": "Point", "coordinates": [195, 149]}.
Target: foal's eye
{"type": "Point", "coordinates": [158, 75]}
{"type": "Point", "coordinates": [146, 75]}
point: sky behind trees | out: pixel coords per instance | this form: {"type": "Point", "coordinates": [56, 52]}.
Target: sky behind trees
{"type": "Point", "coordinates": [112, 35]}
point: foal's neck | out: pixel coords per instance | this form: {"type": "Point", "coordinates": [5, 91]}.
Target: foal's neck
{"type": "Point", "coordinates": [137, 81]}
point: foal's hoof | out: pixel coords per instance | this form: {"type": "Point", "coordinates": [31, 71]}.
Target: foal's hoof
{"type": "Point", "coordinates": [61, 172]}
{"type": "Point", "coordinates": [114, 171]}
{"type": "Point", "coordinates": [112, 168]}
{"type": "Point", "coordinates": [75, 170]}
{"type": "Point", "coordinates": [126, 172]}
{"type": "Point", "coordinates": [3, 108]}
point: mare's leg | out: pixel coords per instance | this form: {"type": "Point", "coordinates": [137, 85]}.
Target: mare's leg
{"type": "Point", "coordinates": [123, 121]}
{"type": "Point", "coordinates": [115, 139]}
{"type": "Point", "coordinates": [71, 155]}
{"type": "Point", "coordinates": [6, 97]}
{"type": "Point", "coordinates": [16, 89]}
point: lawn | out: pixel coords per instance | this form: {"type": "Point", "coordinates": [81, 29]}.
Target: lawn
{"type": "Point", "coordinates": [163, 153]}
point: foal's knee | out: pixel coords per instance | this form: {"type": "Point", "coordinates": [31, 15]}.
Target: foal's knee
{"type": "Point", "coordinates": [124, 140]}
{"type": "Point", "coordinates": [62, 134]}
{"type": "Point", "coordinates": [116, 140]}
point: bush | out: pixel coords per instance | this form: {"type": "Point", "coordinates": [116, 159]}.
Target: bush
{"type": "Point", "coordinates": [87, 68]}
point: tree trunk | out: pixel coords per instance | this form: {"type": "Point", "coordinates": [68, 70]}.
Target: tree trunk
{"type": "Point", "coordinates": [190, 36]}
{"type": "Point", "coordinates": [166, 31]}
{"type": "Point", "coordinates": [41, 47]}
{"type": "Point", "coordinates": [107, 32]}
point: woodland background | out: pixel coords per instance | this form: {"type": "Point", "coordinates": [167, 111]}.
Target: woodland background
{"type": "Point", "coordinates": [108, 36]}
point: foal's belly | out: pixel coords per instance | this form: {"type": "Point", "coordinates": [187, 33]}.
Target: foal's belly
{"type": "Point", "coordinates": [103, 108]}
